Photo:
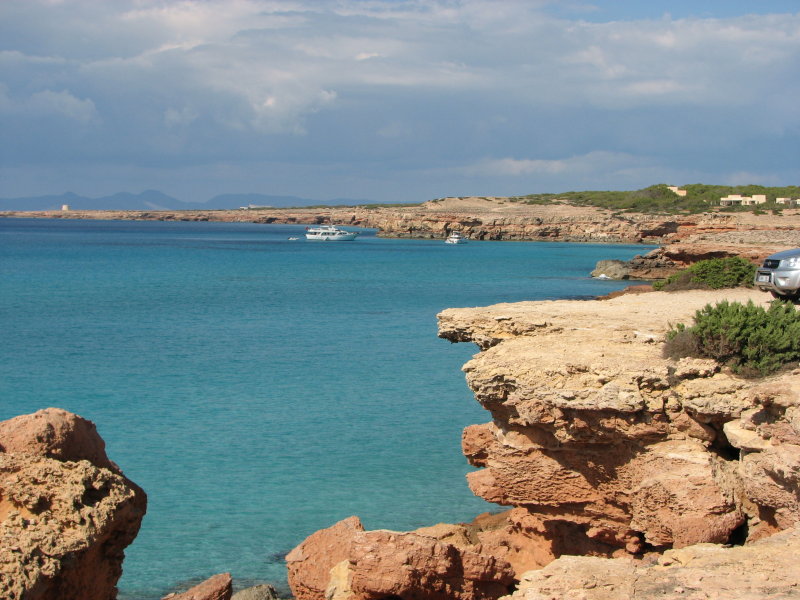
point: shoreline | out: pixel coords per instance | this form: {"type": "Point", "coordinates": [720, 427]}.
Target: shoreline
{"type": "Point", "coordinates": [514, 327]}
{"type": "Point", "coordinates": [683, 239]}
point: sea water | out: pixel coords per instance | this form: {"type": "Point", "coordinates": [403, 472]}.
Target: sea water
{"type": "Point", "coordinates": [261, 388]}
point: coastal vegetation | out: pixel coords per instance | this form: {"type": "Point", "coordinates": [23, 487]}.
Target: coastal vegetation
{"type": "Point", "coordinates": [749, 339]}
{"type": "Point", "coordinates": [659, 199]}
{"type": "Point", "coordinates": [712, 274]}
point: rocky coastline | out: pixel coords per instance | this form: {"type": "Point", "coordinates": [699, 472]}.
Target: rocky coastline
{"type": "Point", "coordinates": [629, 475]}
{"type": "Point", "coordinates": [623, 474]}
{"type": "Point", "coordinates": [683, 239]}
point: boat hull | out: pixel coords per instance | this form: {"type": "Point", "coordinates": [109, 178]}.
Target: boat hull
{"type": "Point", "coordinates": [329, 237]}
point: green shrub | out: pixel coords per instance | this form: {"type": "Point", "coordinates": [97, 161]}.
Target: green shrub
{"type": "Point", "coordinates": [658, 199]}
{"type": "Point", "coordinates": [749, 339]}
{"type": "Point", "coordinates": [714, 274]}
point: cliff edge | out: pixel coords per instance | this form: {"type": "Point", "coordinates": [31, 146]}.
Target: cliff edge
{"type": "Point", "coordinates": [643, 466]}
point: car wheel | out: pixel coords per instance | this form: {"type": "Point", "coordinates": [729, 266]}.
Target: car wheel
{"type": "Point", "coordinates": [793, 297]}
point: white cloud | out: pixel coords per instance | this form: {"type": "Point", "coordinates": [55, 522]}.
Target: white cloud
{"type": "Point", "coordinates": [64, 104]}
{"type": "Point", "coordinates": [422, 84]}
{"type": "Point", "coordinates": [60, 104]}
{"type": "Point", "coordinates": [591, 162]}
{"type": "Point", "coordinates": [174, 117]}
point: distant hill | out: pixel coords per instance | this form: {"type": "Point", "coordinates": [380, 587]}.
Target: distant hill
{"type": "Point", "coordinates": [155, 200]}
{"type": "Point", "coordinates": [659, 199]}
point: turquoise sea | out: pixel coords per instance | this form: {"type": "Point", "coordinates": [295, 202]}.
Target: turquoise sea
{"type": "Point", "coordinates": [259, 388]}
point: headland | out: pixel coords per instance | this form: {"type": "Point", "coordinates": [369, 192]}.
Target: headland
{"type": "Point", "coordinates": [683, 238]}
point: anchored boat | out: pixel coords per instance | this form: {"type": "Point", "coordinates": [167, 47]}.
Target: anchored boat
{"type": "Point", "coordinates": [455, 238]}
{"type": "Point", "coordinates": [330, 233]}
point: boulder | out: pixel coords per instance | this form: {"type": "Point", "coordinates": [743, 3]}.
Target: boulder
{"type": "Point", "coordinates": [611, 269]}
{"type": "Point", "coordinates": [257, 592]}
{"type": "Point", "coordinates": [345, 562]}
{"type": "Point", "coordinates": [217, 587]}
{"type": "Point", "coordinates": [66, 512]}
{"type": "Point", "coordinates": [309, 564]}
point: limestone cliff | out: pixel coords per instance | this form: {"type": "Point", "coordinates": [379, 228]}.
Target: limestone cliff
{"type": "Point", "coordinates": [66, 511]}
{"type": "Point", "coordinates": [604, 449]}
{"type": "Point", "coordinates": [592, 427]}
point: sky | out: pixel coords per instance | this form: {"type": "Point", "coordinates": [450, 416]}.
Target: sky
{"type": "Point", "coordinates": [395, 100]}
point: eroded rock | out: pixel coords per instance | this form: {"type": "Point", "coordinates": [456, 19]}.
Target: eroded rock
{"type": "Point", "coordinates": [217, 587]}
{"type": "Point", "coordinates": [605, 449]}
{"type": "Point", "coordinates": [66, 512]}
{"type": "Point", "coordinates": [344, 562]}
{"type": "Point", "coordinates": [765, 569]}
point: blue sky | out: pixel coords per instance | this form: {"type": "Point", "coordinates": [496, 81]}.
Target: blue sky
{"type": "Point", "coordinates": [396, 101]}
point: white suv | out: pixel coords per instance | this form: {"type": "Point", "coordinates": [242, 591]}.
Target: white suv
{"type": "Point", "coordinates": [780, 275]}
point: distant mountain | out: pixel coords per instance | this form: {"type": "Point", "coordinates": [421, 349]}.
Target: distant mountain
{"type": "Point", "coordinates": [147, 200]}
{"type": "Point", "coordinates": [155, 200]}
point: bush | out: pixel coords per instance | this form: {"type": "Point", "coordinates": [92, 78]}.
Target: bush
{"type": "Point", "coordinates": [750, 340]}
{"type": "Point", "coordinates": [713, 274]}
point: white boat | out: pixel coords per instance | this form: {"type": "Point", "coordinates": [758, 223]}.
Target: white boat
{"type": "Point", "coordinates": [455, 238]}
{"type": "Point", "coordinates": [330, 233]}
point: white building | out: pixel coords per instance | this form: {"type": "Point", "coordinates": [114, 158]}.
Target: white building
{"type": "Point", "coordinates": [674, 189]}
{"type": "Point", "coordinates": [738, 199]}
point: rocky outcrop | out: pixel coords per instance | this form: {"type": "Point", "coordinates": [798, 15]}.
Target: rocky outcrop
{"type": "Point", "coordinates": [344, 562]}
{"type": "Point", "coordinates": [604, 449]}
{"type": "Point", "coordinates": [612, 269]}
{"type": "Point", "coordinates": [594, 432]}
{"type": "Point", "coordinates": [66, 511]}
{"type": "Point", "coordinates": [749, 240]}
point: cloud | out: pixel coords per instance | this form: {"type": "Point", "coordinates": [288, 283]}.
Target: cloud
{"type": "Point", "coordinates": [401, 88]}
{"type": "Point", "coordinates": [48, 103]}
{"type": "Point", "coordinates": [64, 104]}
{"type": "Point", "coordinates": [591, 162]}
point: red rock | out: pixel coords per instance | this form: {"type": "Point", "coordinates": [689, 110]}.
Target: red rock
{"type": "Point", "coordinates": [344, 562]}
{"type": "Point", "coordinates": [55, 433]}
{"type": "Point", "coordinates": [309, 564]}
{"type": "Point", "coordinates": [69, 510]}
{"type": "Point", "coordinates": [605, 448]}
{"type": "Point", "coordinates": [765, 569]}
{"type": "Point", "coordinates": [218, 587]}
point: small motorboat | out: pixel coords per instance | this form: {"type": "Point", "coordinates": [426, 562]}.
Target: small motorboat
{"type": "Point", "coordinates": [455, 238]}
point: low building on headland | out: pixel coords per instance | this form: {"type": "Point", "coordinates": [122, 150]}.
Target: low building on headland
{"type": "Point", "coordinates": [65, 207]}
{"type": "Point", "coordinates": [787, 201]}
{"type": "Point", "coordinates": [739, 200]}
{"type": "Point", "coordinates": [675, 190]}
